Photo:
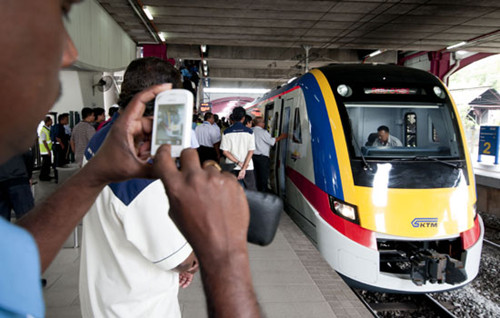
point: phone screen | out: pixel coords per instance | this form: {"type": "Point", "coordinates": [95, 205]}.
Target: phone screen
{"type": "Point", "coordinates": [170, 124]}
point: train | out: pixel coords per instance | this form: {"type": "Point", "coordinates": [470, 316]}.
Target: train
{"type": "Point", "coordinates": [398, 218]}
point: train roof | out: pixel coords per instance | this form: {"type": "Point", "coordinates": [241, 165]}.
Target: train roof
{"type": "Point", "coordinates": [376, 72]}
{"type": "Point", "coordinates": [362, 73]}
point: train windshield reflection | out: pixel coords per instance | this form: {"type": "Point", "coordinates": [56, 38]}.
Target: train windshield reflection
{"type": "Point", "coordinates": [415, 130]}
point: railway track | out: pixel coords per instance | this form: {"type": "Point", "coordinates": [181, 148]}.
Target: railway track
{"type": "Point", "coordinates": [490, 243]}
{"type": "Point", "coordinates": [398, 304]}
{"type": "Point", "coordinates": [441, 304]}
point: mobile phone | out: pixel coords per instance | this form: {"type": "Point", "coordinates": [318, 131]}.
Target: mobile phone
{"type": "Point", "coordinates": [172, 120]}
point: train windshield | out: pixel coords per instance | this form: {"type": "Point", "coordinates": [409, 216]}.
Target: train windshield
{"type": "Point", "coordinates": [389, 130]}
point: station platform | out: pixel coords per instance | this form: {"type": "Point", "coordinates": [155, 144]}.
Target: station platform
{"type": "Point", "coordinates": [290, 277]}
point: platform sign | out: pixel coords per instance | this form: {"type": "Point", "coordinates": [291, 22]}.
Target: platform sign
{"type": "Point", "coordinates": [206, 107]}
{"type": "Point", "coordinates": [489, 142]}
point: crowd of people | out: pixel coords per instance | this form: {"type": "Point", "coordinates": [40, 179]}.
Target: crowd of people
{"type": "Point", "coordinates": [54, 141]}
{"type": "Point", "coordinates": [241, 145]}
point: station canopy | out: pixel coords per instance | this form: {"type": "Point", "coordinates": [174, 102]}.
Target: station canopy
{"type": "Point", "coordinates": [265, 42]}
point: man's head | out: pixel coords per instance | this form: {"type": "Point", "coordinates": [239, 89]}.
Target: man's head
{"type": "Point", "coordinates": [48, 121]}
{"type": "Point", "coordinates": [238, 114]}
{"type": "Point", "coordinates": [88, 114]}
{"type": "Point", "coordinates": [248, 121]}
{"type": "Point", "coordinates": [209, 117]}
{"type": "Point", "coordinates": [30, 76]}
{"type": "Point", "coordinates": [258, 121]}
{"type": "Point", "coordinates": [112, 111]}
{"type": "Point", "coordinates": [63, 118]}
{"type": "Point", "coordinates": [143, 73]}
{"type": "Point", "coordinates": [99, 114]}
{"type": "Point", "coordinates": [383, 134]}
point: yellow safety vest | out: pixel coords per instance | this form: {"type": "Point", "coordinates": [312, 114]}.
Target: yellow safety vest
{"type": "Point", "coordinates": [43, 149]}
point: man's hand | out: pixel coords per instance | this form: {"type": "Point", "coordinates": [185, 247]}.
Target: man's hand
{"type": "Point", "coordinates": [241, 174]}
{"type": "Point", "coordinates": [125, 152]}
{"type": "Point", "coordinates": [185, 279]}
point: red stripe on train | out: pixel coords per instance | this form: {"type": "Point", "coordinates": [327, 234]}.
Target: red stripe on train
{"type": "Point", "coordinates": [319, 199]}
{"type": "Point", "coordinates": [471, 236]}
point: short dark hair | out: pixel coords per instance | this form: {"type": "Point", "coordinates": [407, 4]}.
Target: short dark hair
{"type": "Point", "coordinates": [112, 110]}
{"type": "Point", "coordinates": [62, 116]}
{"type": "Point", "coordinates": [207, 116]}
{"type": "Point", "coordinates": [384, 128]}
{"type": "Point", "coordinates": [143, 73]}
{"type": "Point", "coordinates": [238, 113]}
{"type": "Point", "coordinates": [248, 119]}
{"type": "Point", "coordinates": [86, 112]}
{"type": "Point", "coordinates": [47, 119]}
{"type": "Point", "coordinates": [98, 111]}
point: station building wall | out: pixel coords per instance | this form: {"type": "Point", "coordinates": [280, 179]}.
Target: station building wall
{"type": "Point", "coordinates": [103, 47]}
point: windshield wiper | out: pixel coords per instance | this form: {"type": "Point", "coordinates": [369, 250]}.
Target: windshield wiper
{"type": "Point", "coordinates": [426, 158]}
{"type": "Point", "coordinates": [366, 166]}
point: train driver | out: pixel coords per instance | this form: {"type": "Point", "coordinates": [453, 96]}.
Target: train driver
{"type": "Point", "coordinates": [385, 139]}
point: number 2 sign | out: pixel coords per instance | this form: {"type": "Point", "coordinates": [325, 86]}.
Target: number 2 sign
{"type": "Point", "coordinates": [489, 139]}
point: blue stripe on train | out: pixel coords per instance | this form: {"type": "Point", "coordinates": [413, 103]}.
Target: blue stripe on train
{"type": "Point", "coordinates": [326, 166]}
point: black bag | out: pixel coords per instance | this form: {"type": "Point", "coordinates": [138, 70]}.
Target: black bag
{"type": "Point", "coordinates": [265, 212]}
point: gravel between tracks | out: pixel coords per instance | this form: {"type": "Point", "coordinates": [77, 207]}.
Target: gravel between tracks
{"type": "Point", "coordinates": [492, 227]}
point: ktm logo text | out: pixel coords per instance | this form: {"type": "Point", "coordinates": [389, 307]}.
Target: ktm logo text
{"type": "Point", "coordinates": [424, 222]}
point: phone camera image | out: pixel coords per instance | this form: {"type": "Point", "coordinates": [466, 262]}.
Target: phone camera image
{"type": "Point", "coordinates": [170, 124]}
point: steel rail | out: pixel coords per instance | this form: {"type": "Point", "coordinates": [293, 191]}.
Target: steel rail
{"type": "Point", "coordinates": [491, 243]}
{"type": "Point", "coordinates": [437, 307]}
{"type": "Point", "coordinates": [367, 305]}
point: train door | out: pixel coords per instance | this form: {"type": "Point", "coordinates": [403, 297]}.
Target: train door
{"type": "Point", "coordinates": [271, 118]}
{"type": "Point", "coordinates": [283, 147]}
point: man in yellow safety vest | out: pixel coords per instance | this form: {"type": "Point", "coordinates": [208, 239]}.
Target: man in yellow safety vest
{"type": "Point", "coordinates": [45, 144]}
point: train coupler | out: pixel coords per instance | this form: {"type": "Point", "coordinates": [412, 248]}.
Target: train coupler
{"type": "Point", "coordinates": [429, 265]}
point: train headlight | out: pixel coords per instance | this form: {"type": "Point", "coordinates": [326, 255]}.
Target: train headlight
{"type": "Point", "coordinates": [344, 210]}
{"type": "Point", "coordinates": [439, 92]}
{"type": "Point", "coordinates": [344, 90]}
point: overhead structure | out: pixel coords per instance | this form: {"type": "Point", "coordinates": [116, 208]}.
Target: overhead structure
{"type": "Point", "coordinates": [261, 43]}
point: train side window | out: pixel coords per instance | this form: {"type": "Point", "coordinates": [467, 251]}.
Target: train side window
{"type": "Point", "coordinates": [275, 125]}
{"type": "Point", "coordinates": [410, 130]}
{"type": "Point", "coordinates": [297, 130]}
{"type": "Point", "coordinates": [268, 117]}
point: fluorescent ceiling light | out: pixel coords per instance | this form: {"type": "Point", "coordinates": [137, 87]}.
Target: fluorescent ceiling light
{"type": "Point", "coordinates": [148, 13]}
{"type": "Point", "coordinates": [161, 36]}
{"type": "Point", "coordinates": [236, 90]}
{"type": "Point", "coordinates": [456, 45]}
{"type": "Point", "coordinates": [377, 52]}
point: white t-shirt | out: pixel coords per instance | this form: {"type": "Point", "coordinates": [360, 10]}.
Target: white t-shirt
{"type": "Point", "coordinates": [129, 247]}
{"type": "Point", "coordinates": [238, 140]}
